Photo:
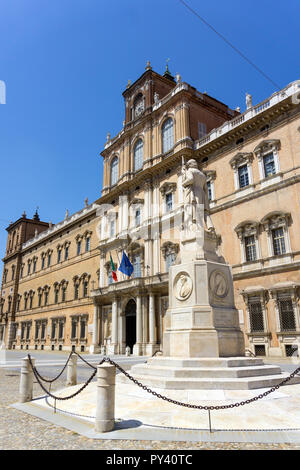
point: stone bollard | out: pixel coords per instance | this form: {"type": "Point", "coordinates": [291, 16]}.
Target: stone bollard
{"type": "Point", "coordinates": [103, 350]}
{"type": "Point", "coordinates": [72, 370]}
{"type": "Point", "coordinates": [26, 380]}
{"type": "Point", "coordinates": [127, 351]}
{"type": "Point", "coordinates": [105, 406]}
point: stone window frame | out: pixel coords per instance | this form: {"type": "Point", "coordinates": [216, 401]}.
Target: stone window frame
{"type": "Point", "coordinates": [78, 239]}
{"type": "Point", "coordinates": [59, 248]}
{"type": "Point", "coordinates": [63, 285]}
{"type": "Point", "coordinates": [264, 148]}
{"type": "Point", "coordinates": [239, 160]}
{"type": "Point", "coordinates": [18, 303]}
{"type": "Point", "coordinates": [25, 297]}
{"type": "Point", "coordinates": [85, 278]}
{"type": "Point", "coordinates": [246, 229]}
{"type": "Point", "coordinates": [31, 296]}
{"type": "Point", "coordinates": [13, 272]}
{"type": "Point", "coordinates": [87, 236]}
{"type": "Point", "coordinates": [165, 119]}
{"type": "Point", "coordinates": [43, 258]}
{"type": "Point", "coordinates": [134, 205]}
{"type": "Point", "coordinates": [115, 168]}
{"type": "Point", "coordinates": [169, 248]}
{"type": "Point", "coordinates": [40, 291]}
{"type": "Point", "coordinates": [167, 188]}
{"type": "Point", "coordinates": [76, 283]}
{"type": "Point", "coordinates": [29, 261]}
{"type": "Point", "coordinates": [46, 290]}
{"type": "Point", "coordinates": [34, 264]}
{"type": "Point", "coordinates": [49, 256]}
{"type": "Point", "coordinates": [258, 294]}
{"type": "Point", "coordinates": [135, 249]}
{"type": "Point", "coordinates": [66, 247]}
{"type": "Point", "coordinates": [286, 291]}
{"type": "Point", "coordinates": [141, 158]}
{"type": "Point", "coordinates": [211, 176]}
{"type": "Point", "coordinates": [56, 289]}
{"type": "Point", "coordinates": [275, 220]}
{"type": "Point", "coordinates": [5, 273]}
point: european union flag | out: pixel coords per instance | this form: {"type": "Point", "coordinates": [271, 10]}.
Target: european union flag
{"type": "Point", "coordinates": [125, 266]}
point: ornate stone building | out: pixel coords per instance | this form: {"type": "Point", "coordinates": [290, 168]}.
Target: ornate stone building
{"type": "Point", "coordinates": [58, 290]}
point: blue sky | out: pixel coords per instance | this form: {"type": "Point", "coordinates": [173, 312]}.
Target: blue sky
{"type": "Point", "coordinates": [65, 64]}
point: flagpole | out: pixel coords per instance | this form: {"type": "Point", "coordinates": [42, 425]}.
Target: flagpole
{"type": "Point", "coordinates": [119, 266]}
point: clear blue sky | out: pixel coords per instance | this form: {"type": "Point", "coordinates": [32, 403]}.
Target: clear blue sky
{"type": "Point", "coordinates": [65, 64]}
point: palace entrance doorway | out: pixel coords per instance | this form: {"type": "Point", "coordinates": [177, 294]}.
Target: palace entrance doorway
{"type": "Point", "coordinates": [130, 316]}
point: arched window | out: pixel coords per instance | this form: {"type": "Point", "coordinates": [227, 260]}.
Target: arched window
{"type": "Point", "coordinates": [138, 155]}
{"type": "Point", "coordinates": [167, 135]}
{"type": "Point", "coordinates": [114, 171]}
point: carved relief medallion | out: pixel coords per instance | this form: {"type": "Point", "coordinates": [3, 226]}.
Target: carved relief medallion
{"type": "Point", "coordinates": [218, 284]}
{"type": "Point", "coordinates": [183, 286]}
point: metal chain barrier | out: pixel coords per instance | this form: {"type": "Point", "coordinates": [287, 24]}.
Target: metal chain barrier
{"type": "Point", "coordinates": [50, 381]}
{"type": "Point", "coordinates": [200, 407]}
{"type": "Point", "coordinates": [61, 398]}
{"type": "Point", "coordinates": [84, 360]}
{"type": "Point", "coordinates": [158, 395]}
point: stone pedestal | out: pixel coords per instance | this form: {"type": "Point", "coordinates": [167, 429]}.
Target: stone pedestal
{"type": "Point", "coordinates": [203, 320]}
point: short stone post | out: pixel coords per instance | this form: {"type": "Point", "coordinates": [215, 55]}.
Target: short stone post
{"type": "Point", "coordinates": [26, 380]}
{"type": "Point", "coordinates": [72, 370]}
{"type": "Point", "coordinates": [127, 351]}
{"type": "Point", "coordinates": [105, 406]}
{"type": "Point", "coordinates": [103, 350]}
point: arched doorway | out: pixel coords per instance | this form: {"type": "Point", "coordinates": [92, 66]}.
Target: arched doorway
{"type": "Point", "coordinates": [130, 316]}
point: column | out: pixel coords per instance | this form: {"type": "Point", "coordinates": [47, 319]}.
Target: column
{"type": "Point", "coordinates": [137, 348]}
{"type": "Point", "coordinates": [94, 348]}
{"type": "Point", "coordinates": [102, 269]}
{"type": "Point", "coordinates": [113, 347]}
{"type": "Point", "coordinates": [152, 345]}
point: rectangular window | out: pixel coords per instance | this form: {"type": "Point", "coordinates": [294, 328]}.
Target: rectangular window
{"type": "Point", "coordinates": [243, 176]}
{"type": "Point", "coordinates": [40, 299]}
{"type": "Point", "coordinates": [56, 296]}
{"type": "Point", "coordinates": [78, 247]}
{"type": "Point", "coordinates": [278, 241]}
{"type": "Point", "coordinates": [73, 329]}
{"type": "Point", "coordinates": [269, 165]}
{"type": "Point", "coordinates": [46, 298]}
{"type": "Point", "coordinates": [85, 289]}
{"type": "Point", "coordinates": [209, 190]}
{"type": "Point", "coordinates": [63, 294]}
{"type": "Point", "coordinates": [256, 317]}
{"type": "Point", "coordinates": [112, 228]}
{"type": "Point", "coordinates": [250, 248]}
{"type": "Point", "coordinates": [76, 291]}
{"type": "Point", "coordinates": [66, 253]}
{"type": "Point", "coordinates": [87, 244]}
{"type": "Point", "coordinates": [28, 331]}
{"type": "Point", "coordinates": [136, 262]}
{"type": "Point", "coordinates": [169, 202]}
{"type": "Point", "coordinates": [287, 315]}
{"type": "Point", "coordinates": [201, 130]}
{"type": "Point", "coordinates": [22, 330]}
{"type": "Point", "coordinates": [49, 260]}
{"type": "Point", "coordinates": [25, 303]}
{"type": "Point", "coordinates": [60, 330]}
{"type": "Point", "coordinates": [137, 217]}
{"type": "Point", "coordinates": [34, 266]}
{"type": "Point", "coordinates": [43, 262]}
{"type": "Point", "coordinates": [43, 332]}
{"type": "Point", "coordinates": [53, 330]}
{"type": "Point", "coordinates": [37, 330]}
{"type": "Point", "coordinates": [28, 269]}
{"type": "Point", "coordinates": [30, 301]}
{"type": "Point", "coordinates": [58, 256]}
{"type": "Point", "coordinates": [82, 329]}
{"type": "Point", "coordinates": [260, 350]}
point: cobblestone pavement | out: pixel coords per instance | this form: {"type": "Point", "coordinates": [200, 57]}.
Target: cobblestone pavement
{"type": "Point", "coordinates": [22, 431]}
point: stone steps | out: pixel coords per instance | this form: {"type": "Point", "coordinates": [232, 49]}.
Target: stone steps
{"type": "Point", "coordinates": [238, 373]}
{"type": "Point", "coordinates": [242, 383]}
{"type": "Point", "coordinates": [202, 372]}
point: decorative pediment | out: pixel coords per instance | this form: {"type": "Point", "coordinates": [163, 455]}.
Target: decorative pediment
{"type": "Point", "coordinates": [267, 146]}
{"type": "Point", "coordinates": [242, 158]}
{"type": "Point", "coordinates": [247, 228]}
{"type": "Point", "coordinates": [210, 175]}
{"type": "Point", "coordinates": [136, 201]}
{"type": "Point", "coordinates": [168, 187]}
{"type": "Point", "coordinates": [169, 248]}
{"type": "Point", "coordinates": [275, 220]}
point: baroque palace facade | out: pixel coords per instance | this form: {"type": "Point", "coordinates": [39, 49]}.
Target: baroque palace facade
{"type": "Point", "coordinates": [57, 290]}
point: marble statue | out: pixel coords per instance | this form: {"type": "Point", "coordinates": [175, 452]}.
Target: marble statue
{"type": "Point", "coordinates": [248, 101]}
{"type": "Point", "coordinates": [195, 198]}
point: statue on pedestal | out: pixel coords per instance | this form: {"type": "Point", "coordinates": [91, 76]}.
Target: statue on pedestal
{"type": "Point", "coordinates": [196, 204]}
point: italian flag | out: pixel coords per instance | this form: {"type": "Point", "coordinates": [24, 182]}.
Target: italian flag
{"type": "Point", "coordinates": [113, 268]}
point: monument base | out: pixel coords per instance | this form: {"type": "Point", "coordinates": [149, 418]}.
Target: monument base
{"type": "Point", "coordinates": [234, 373]}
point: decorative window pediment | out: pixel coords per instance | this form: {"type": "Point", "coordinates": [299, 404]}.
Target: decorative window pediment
{"type": "Point", "coordinates": [240, 159]}
{"type": "Point", "coordinates": [276, 220]}
{"type": "Point", "coordinates": [169, 248]}
{"type": "Point", "coordinates": [210, 175]}
{"type": "Point", "coordinates": [267, 146]}
{"type": "Point", "coordinates": [247, 228]}
{"type": "Point", "coordinates": [168, 187]}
